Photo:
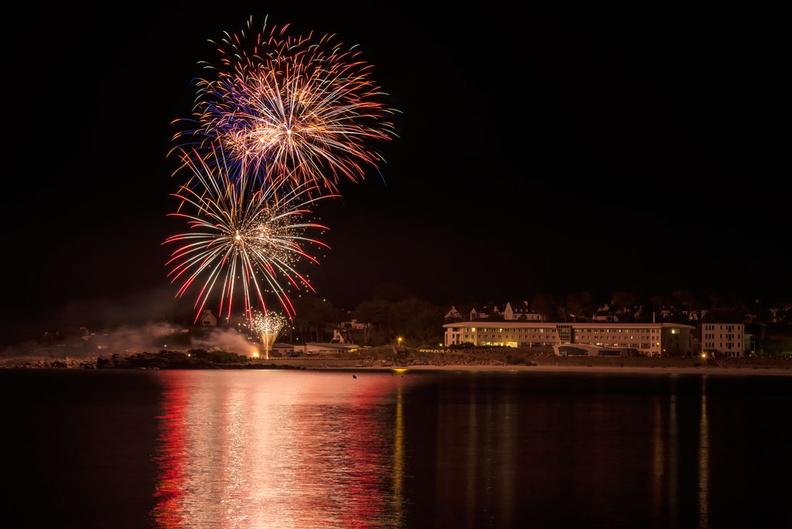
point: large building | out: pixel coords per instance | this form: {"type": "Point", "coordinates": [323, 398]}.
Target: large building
{"type": "Point", "coordinates": [723, 339]}
{"type": "Point", "coordinates": [648, 339]}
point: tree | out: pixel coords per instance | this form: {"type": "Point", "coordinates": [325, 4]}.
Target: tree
{"type": "Point", "coordinates": [314, 315]}
{"type": "Point", "coordinates": [411, 318]}
{"type": "Point", "coordinates": [547, 305]}
{"type": "Point", "coordinates": [419, 320]}
{"type": "Point", "coordinates": [623, 300]}
{"type": "Point", "coordinates": [378, 314]}
{"type": "Point", "coordinates": [580, 306]}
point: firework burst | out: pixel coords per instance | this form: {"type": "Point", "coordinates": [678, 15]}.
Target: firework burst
{"type": "Point", "coordinates": [243, 241]}
{"type": "Point", "coordinates": [290, 109]}
{"type": "Point", "coordinates": [278, 122]}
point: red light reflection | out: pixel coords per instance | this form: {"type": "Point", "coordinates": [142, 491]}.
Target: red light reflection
{"type": "Point", "coordinates": [280, 449]}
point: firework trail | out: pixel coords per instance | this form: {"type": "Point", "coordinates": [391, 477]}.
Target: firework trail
{"type": "Point", "coordinates": [243, 239]}
{"type": "Point", "coordinates": [290, 109]}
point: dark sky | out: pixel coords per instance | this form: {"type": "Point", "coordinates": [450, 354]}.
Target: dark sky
{"type": "Point", "coordinates": [540, 149]}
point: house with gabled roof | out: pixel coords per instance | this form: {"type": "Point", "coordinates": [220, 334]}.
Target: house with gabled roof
{"type": "Point", "coordinates": [520, 311]}
{"type": "Point", "coordinates": [453, 314]}
{"type": "Point", "coordinates": [605, 313]}
{"type": "Point", "coordinates": [208, 319]}
{"type": "Point", "coordinates": [485, 312]}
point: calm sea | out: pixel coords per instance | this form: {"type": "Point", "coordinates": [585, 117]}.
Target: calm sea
{"type": "Point", "coordinates": [281, 449]}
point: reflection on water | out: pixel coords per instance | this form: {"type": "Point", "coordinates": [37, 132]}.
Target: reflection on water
{"type": "Point", "coordinates": [397, 502]}
{"type": "Point", "coordinates": [296, 449]}
{"type": "Point", "coordinates": [703, 461]}
{"type": "Point", "coordinates": [276, 449]}
{"type": "Point", "coordinates": [259, 449]}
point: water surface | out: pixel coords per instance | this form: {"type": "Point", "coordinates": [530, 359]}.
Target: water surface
{"type": "Point", "coordinates": [398, 449]}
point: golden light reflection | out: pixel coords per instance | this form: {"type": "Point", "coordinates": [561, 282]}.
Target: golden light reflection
{"type": "Point", "coordinates": [280, 449]}
{"type": "Point", "coordinates": [658, 461]}
{"type": "Point", "coordinates": [703, 460]}
{"type": "Point", "coordinates": [665, 456]}
{"type": "Point", "coordinates": [397, 502]}
{"type": "Point", "coordinates": [476, 443]}
{"type": "Point", "coordinates": [472, 461]}
{"type": "Point", "coordinates": [673, 454]}
{"type": "Point", "coordinates": [507, 473]}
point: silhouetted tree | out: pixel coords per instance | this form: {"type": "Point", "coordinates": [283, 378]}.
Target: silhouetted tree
{"type": "Point", "coordinates": [378, 314]}
{"type": "Point", "coordinates": [412, 319]}
{"type": "Point", "coordinates": [580, 306]}
{"type": "Point", "coordinates": [419, 320]}
{"type": "Point", "coordinates": [548, 305]}
{"type": "Point", "coordinates": [622, 300]}
{"type": "Point", "coordinates": [313, 316]}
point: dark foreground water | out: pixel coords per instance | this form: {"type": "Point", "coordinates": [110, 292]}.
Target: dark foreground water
{"type": "Point", "coordinates": [311, 449]}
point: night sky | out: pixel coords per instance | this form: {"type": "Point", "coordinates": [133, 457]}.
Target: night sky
{"type": "Point", "coordinates": [541, 149]}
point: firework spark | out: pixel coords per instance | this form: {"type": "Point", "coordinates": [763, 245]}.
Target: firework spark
{"type": "Point", "coordinates": [291, 109]}
{"type": "Point", "coordinates": [243, 240]}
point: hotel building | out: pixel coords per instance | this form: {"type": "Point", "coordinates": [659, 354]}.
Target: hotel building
{"type": "Point", "coordinates": [726, 339]}
{"type": "Point", "coordinates": [646, 339]}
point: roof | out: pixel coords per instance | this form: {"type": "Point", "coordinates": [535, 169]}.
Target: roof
{"type": "Point", "coordinates": [577, 325]}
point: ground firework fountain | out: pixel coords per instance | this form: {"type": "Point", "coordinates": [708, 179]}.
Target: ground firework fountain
{"type": "Point", "coordinates": [268, 326]}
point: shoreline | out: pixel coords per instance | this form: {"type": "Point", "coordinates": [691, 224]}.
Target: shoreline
{"type": "Point", "coordinates": [703, 370]}
{"type": "Point", "coordinates": [752, 366]}
{"type": "Point", "coordinates": [744, 366]}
